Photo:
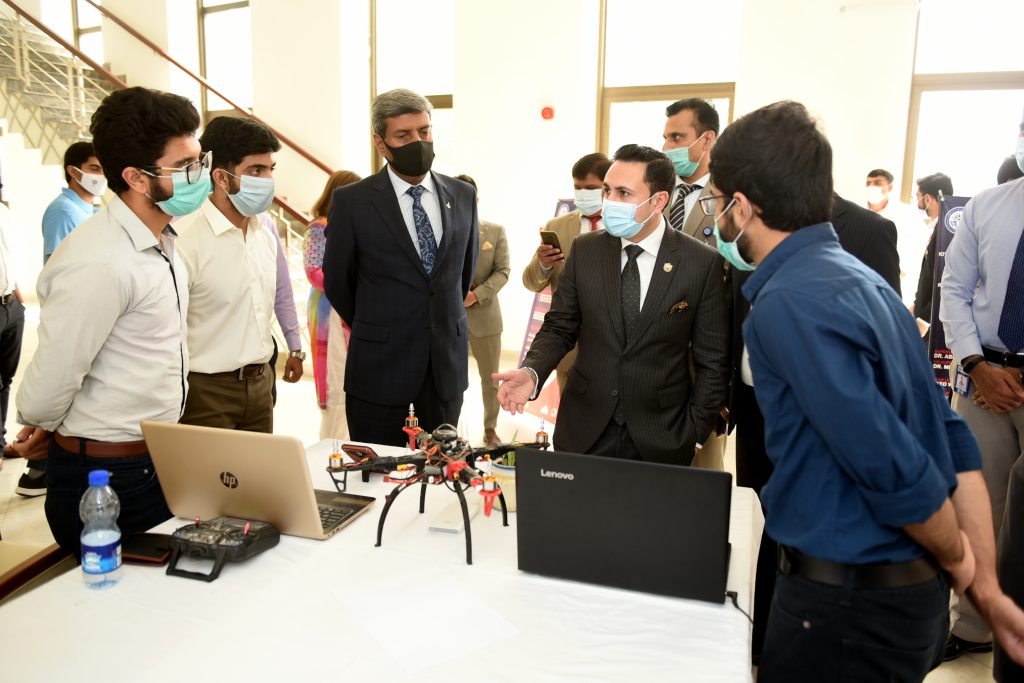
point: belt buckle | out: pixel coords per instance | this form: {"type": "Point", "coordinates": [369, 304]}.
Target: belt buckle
{"type": "Point", "coordinates": [6, 298]}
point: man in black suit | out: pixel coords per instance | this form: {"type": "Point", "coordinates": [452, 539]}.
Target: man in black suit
{"type": "Point", "coordinates": [400, 256]}
{"type": "Point", "coordinates": [634, 296]}
{"type": "Point", "coordinates": [870, 238]}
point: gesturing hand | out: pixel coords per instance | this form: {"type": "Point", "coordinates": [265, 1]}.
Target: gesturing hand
{"type": "Point", "coordinates": [515, 390]}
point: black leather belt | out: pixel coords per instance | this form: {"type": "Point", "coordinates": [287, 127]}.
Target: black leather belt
{"type": "Point", "coordinates": [244, 372]}
{"type": "Point", "coordinates": [868, 576]}
{"type": "Point", "coordinates": [1004, 358]}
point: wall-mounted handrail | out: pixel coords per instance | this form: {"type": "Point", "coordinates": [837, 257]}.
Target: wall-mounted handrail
{"type": "Point", "coordinates": [206, 84]}
{"type": "Point", "coordinates": [66, 45]}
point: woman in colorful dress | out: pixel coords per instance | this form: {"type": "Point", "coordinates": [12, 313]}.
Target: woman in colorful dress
{"type": "Point", "coordinates": [328, 335]}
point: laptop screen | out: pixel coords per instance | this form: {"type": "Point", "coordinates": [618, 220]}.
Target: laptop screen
{"type": "Point", "coordinates": [649, 527]}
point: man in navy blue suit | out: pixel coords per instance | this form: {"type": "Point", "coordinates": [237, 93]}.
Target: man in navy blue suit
{"type": "Point", "coordinates": [400, 257]}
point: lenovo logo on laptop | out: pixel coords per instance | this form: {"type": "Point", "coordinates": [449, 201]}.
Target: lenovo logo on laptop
{"type": "Point", "coordinates": [551, 474]}
{"type": "Point", "coordinates": [229, 480]}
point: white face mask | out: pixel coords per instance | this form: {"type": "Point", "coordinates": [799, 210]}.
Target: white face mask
{"type": "Point", "coordinates": [589, 202]}
{"type": "Point", "coordinates": [875, 194]}
{"type": "Point", "coordinates": [93, 183]}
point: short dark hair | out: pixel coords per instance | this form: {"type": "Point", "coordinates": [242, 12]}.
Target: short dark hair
{"type": "Point", "coordinates": [659, 175]}
{"type": "Point", "coordinates": [779, 159]}
{"type": "Point", "coordinates": [705, 116]}
{"type": "Point", "coordinates": [881, 172]}
{"type": "Point", "coordinates": [596, 163]}
{"type": "Point", "coordinates": [466, 179]}
{"type": "Point", "coordinates": [232, 138]}
{"type": "Point", "coordinates": [75, 155]}
{"type": "Point", "coordinates": [1009, 170]}
{"type": "Point", "coordinates": [131, 127]}
{"type": "Point", "coordinates": [934, 184]}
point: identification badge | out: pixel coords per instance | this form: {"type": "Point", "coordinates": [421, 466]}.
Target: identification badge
{"type": "Point", "coordinates": [962, 385]}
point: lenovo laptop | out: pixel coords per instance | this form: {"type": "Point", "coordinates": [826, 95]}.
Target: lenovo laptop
{"type": "Point", "coordinates": [208, 472]}
{"type": "Point", "coordinates": [643, 526]}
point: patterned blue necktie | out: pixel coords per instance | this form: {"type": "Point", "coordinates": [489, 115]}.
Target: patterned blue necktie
{"type": "Point", "coordinates": [424, 233]}
{"type": "Point", "coordinates": [1011, 321]}
{"type": "Point", "coordinates": [677, 214]}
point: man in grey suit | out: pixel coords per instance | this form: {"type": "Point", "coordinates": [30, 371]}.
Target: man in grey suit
{"type": "Point", "coordinates": [484, 313]}
{"type": "Point", "coordinates": [634, 296]}
{"type": "Point", "coordinates": [691, 128]}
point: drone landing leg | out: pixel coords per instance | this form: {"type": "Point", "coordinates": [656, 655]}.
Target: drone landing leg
{"type": "Point", "coordinates": [384, 513]}
{"type": "Point", "coordinates": [504, 509]}
{"type": "Point", "coordinates": [423, 495]}
{"type": "Point", "coordinates": [465, 523]}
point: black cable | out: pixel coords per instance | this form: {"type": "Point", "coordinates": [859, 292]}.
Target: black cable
{"type": "Point", "coordinates": [733, 595]}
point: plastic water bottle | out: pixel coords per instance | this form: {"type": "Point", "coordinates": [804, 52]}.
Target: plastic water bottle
{"type": "Point", "coordinates": [101, 539]}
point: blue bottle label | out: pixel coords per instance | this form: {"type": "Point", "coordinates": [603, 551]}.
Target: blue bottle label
{"type": "Point", "coordinates": [100, 559]}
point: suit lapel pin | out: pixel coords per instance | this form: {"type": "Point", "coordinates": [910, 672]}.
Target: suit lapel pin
{"type": "Point", "coordinates": [679, 307]}
{"type": "Point", "coordinates": [667, 267]}
{"type": "Point", "coordinates": [448, 204]}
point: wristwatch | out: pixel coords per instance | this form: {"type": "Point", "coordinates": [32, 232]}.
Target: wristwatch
{"type": "Point", "coordinates": [301, 355]}
{"type": "Point", "coordinates": [971, 364]}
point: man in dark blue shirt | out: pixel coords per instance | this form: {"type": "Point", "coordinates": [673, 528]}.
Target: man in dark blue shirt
{"type": "Point", "coordinates": [867, 453]}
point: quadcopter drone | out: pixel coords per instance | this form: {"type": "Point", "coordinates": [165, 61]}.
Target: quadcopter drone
{"type": "Point", "coordinates": [437, 458]}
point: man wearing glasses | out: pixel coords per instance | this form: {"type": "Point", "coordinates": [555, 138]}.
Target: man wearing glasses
{"type": "Point", "coordinates": [113, 300]}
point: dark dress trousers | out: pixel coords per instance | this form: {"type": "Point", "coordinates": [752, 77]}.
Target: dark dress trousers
{"type": "Point", "coordinates": [665, 411]}
{"type": "Point", "coordinates": [872, 239]}
{"type": "Point", "coordinates": [409, 330]}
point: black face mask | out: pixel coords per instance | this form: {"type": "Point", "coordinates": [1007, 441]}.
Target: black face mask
{"type": "Point", "coordinates": [413, 159]}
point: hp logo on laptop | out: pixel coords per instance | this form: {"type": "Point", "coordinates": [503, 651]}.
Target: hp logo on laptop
{"type": "Point", "coordinates": [229, 480]}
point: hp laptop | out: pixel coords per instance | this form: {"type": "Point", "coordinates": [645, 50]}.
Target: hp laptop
{"type": "Point", "coordinates": [644, 526]}
{"type": "Point", "coordinates": [208, 472]}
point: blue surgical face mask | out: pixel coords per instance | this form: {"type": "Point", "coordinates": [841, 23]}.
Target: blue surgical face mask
{"type": "Point", "coordinates": [730, 251]}
{"type": "Point", "coordinates": [620, 218]}
{"type": "Point", "coordinates": [187, 197]}
{"type": "Point", "coordinates": [680, 157]}
{"type": "Point", "coordinates": [1020, 153]}
{"type": "Point", "coordinates": [588, 201]}
{"type": "Point", "coordinates": [254, 196]}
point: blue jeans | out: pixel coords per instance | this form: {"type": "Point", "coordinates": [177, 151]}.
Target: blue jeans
{"type": "Point", "coordinates": [133, 480]}
{"type": "Point", "coordinates": [832, 633]}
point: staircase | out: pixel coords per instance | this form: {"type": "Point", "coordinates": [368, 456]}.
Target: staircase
{"type": "Point", "coordinates": [48, 94]}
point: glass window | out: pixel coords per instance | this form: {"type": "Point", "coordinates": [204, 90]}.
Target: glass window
{"type": "Point", "coordinates": [639, 52]}
{"type": "Point", "coordinates": [956, 37]}
{"type": "Point", "coordinates": [405, 26]}
{"type": "Point", "coordinates": [643, 122]}
{"type": "Point", "coordinates": [88, 16]}
{"type": "Point", "coordinates": [993, 129]}
{"type": "Point", "coordinates": [92, 45]}
{"type": "Point", "coordinates": [228, 45]}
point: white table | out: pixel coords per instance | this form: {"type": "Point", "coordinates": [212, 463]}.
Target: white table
{"type": "Point", "coordinates": [411, 610]}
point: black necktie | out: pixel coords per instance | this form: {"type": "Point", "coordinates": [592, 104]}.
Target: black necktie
{"type": "Point", "coordinates": [1011, 320]}
{"type": "Point", "coordinates": [631, 289]}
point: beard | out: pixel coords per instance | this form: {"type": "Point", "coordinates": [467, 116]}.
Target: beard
{"type": "Point", "coordinates": [730, 233]}
{"type": "Point", "coordinates": [157, 193]}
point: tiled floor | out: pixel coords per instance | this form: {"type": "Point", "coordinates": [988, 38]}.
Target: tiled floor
{"type": "Point", "coordinates": [23, 520]}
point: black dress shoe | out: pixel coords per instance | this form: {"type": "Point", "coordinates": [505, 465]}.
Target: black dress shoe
{"type": "Point", "coordinates": [956, 646]}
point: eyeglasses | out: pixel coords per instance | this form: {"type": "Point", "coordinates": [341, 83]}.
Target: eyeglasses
{"type": "Point", "coordinates": [709, 204]}
{"type": "Point", "coordinates": [193, 171]}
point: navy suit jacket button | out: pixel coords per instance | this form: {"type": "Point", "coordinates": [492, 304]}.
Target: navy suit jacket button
{"type": "Point", "coordinates": [615, 392]}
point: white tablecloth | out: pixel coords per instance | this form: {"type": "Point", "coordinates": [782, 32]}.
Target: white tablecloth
{"type": "Point", "coordinates": [411, 610]}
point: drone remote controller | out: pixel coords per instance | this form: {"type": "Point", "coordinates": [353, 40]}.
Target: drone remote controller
{"type": "Point", "coordinates": [222, 539]}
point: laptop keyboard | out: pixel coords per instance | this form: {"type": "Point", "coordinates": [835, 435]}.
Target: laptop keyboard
{"type": "Point", "coordinates": [331, 516]}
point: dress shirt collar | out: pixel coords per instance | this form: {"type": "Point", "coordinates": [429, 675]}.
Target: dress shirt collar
{"type": "Point", "coordinates": [401, 186]}
{"type": "Point", "coordinates": [141, 236]}
{"type": "Point", "coordinates": [702, 182]}
{"type": "Point", "coordinates": [219, 223]}
{"type": "Point", "coordinates": [819, 233]}
{"type": "Point", "coordinates": [650, 244]}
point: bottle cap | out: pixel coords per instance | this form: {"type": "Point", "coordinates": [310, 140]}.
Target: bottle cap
{"type": "Point", "coordinates": [99, 478]}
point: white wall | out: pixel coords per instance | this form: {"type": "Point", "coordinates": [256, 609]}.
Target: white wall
{"type": "Point", "coordinates": [850, 61]}
{"type": "Point", "coordinates": [513, 59]}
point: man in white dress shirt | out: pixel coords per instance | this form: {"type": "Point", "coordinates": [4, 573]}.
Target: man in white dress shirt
{"type": "Point", "coordinates": [232, 263]}
{"type": "Point", "coordinates": [113, 297]}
